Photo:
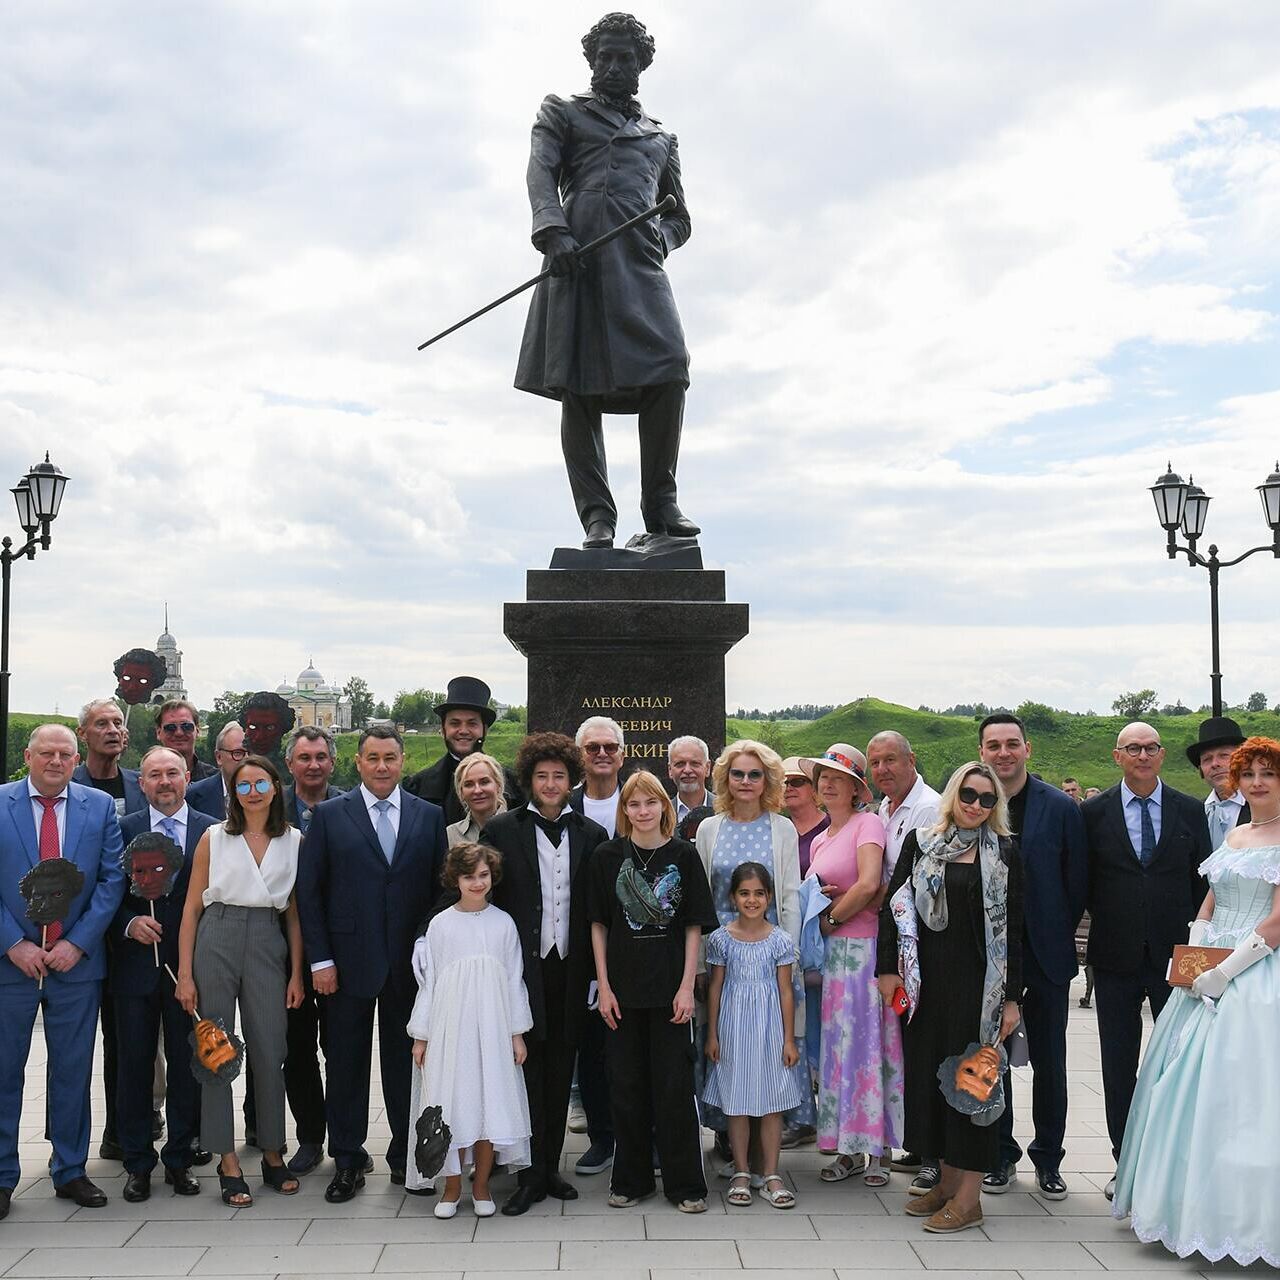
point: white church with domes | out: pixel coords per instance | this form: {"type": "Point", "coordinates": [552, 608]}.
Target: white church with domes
{"type": "Point", "coordinates": [315, 702]}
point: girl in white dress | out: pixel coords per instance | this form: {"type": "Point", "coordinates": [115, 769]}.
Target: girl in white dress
{"type": "Point", "coordinates": [467, 1027]}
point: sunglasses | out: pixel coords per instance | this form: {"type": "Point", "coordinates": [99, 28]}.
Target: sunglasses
{"type": "Point", "coordinates": [601, 748]}
{"type": "Point", "coordinates": [262, 787]}
{"type": "Point", "coordinates": [746, 775]}
{"type": "Point", "coordinates": [987, 799]}
{"type": "Point", "coordinates": [178, 726]}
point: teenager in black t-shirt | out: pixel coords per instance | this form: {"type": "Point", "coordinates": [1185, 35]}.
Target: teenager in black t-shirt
{"type": "Point", "coordinates": [649, 906]}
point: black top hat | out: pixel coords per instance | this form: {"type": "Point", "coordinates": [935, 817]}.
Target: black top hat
{"type": "Point", "coordinates": [467, 693]}
{"type": "Point", "coordinates": [1217, 731]}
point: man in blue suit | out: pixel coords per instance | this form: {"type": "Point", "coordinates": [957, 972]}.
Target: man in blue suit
{"type": "Point", "coordinates": [209, 795]}
{"type": "Point", "coordinates": [43, 816]}
{"type": "Point", "coordinates": [368, 873]}
{"type": "Point", "coordinates": [102, 730]}
{"type": "Point", "coordinates": [1055, 861]}
{"type": "Point", "coordinates": [142, 991]}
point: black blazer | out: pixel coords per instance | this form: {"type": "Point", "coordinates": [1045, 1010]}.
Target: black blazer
{"type": "Point", "coordinates": [519, 894]}
{"type": "Point", "coordinates": [1133, 908]}
{"type": "Point", "coordinates": [356, 909]}
{"type": "Point", "coordinates": [131, 966]}
{"type": "Point", "coordinates": [435, 783]}
{"type": "Point", "coordinates": [887, 939]}
{"type": "Point", "coordinates": [291, 802]}
{"type": "Point", "coordinates": [1055, 879]}
{"type": "Point", "coordinates": [209, 796]}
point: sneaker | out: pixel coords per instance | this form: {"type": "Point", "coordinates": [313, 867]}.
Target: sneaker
{"type": "Point", "coordinates": [907, 1162]}
{"type": "Point", "coordinates": [1051, 1185]}
{"type": "Point", "coordinates": [595, 1159]}
{"type": "Point", "coordinates": [998, 1182]}
{"type": "Point", "coordinates": [925, 1181]}
{"type": "Point", "coordinates": [1110, 1189]}
{"type": "Point", "coordinates": [577, 1119]}
{"type": "Point", "coordinates": [801, 1136]}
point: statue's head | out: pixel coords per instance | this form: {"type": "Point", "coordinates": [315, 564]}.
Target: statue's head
{"type": "Point", "coordinates": [49, 889]}
{"type": "Point", "coordinates": [978, 1073]}
{"type": "Point", "coordinates": [618, 49]}
{"type": "Point", "coordinates": [152, 862]}
{"type": "Point", "coordinates": [139, 673]}
{"type": "Point", "coordinates": [267, 717]}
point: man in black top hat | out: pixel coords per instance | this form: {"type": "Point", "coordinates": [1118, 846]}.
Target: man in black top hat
{"type": "Point", "coordinates": [465, 717]}
{"type": "Point", "coordinates": [1211, 754]}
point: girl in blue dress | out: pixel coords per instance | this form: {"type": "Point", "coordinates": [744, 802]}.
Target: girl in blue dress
{"type": "Point", "coordinates": [750, 1016]}
{"type": "Point", "coordinates": [1198, 1169]}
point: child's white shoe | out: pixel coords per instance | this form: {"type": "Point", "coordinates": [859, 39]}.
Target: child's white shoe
{"type": "Point", "coordinates": [445, 1208]}
{"type": "Point", "coordinates": [484, 1208]}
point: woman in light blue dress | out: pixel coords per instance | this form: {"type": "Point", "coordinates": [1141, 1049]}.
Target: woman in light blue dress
{"type": "Point", "coordinates": [1198, 1169]}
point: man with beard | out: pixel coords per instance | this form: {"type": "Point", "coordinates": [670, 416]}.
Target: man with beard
{"type": "Point", "coordinates": [603, 334]}
{"type": "Point", "coordinates": [1211, 753]}
{"type": "Point", "coordinates": [102, 730]}
{"type": "Point", "coordinates": [465, 717]}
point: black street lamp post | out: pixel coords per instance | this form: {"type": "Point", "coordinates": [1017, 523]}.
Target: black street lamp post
{"type": "Point", "coordinates": [38, 495]}
{"type": "Point", "coordinates": [1184, 505]}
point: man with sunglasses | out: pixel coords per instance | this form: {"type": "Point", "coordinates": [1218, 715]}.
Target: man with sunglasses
{"type": "Point", "coordinates": [1055, 871]}
{"type": "Point", "coordinates": [1146, 842]}
{"type": "Point", "coordinates": [177, 723]}
{"type": "Point", "coordinates": [210, 794]}
{"type": "Point", "coordinates": [604, 751]}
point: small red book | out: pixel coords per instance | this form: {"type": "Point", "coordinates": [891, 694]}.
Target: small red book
{"type": "Point", "coordinates": [1188, 963]}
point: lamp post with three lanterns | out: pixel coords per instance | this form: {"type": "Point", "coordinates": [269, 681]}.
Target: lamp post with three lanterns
{"type": "Point", "coordinates": [38, 495]}
{"type": "Point", "coordinates": [1184, 505]}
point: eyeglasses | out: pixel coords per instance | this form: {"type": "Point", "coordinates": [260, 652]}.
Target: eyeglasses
{"type": "Point", "coordinates": [796, 782]}
{"type": "Point", "coordinates": [178, 726]}
{"type": "Point", "coordinates": [262, 786]}
{"type": "Point", "coordinates": [601, 748]}
{"type": "Point", "coordinates": [746, 775]}
{"type": "Point", "coordinates": [238, 753]}
{"type": "Point", "coordinates": [1135, 749]}
{"type": "Point", "coordinates": [987, 799]}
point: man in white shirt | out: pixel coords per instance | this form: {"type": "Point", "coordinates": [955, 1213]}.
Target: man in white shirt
{"type": "Point", "coordinates": [1211, 753]}
{"type": "Point", "coordinates": [909, 804]}
{"type": "Point", "coordinates": [688, 767]}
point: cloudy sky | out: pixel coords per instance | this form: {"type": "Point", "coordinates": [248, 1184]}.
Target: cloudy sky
{"type": "Point", "coordinates": [961, 279]}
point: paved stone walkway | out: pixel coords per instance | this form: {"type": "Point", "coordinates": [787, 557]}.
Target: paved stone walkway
{"type": "Point", "coordinates": [842, 1230]}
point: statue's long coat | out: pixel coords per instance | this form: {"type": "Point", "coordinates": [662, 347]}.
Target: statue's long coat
{"type": "Point", "coordinates": [613, 326]}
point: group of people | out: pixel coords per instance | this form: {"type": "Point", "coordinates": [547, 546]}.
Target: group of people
{"type": "Point", "coordinates": [758, 947]}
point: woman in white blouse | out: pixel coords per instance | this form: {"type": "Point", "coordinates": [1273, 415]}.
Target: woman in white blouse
{"type": "Point", "coordinates": [232, 952]}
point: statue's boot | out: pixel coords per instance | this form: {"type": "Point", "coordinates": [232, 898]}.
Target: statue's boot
{"type": "Point", "coordinates": [599, 534]}
{"type": "Point", "coordinates": [669, 519]}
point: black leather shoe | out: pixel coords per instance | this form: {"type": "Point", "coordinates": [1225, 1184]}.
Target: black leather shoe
{"type": "Point", "coordinates": [183, 1182]}
{"type": "Point", "coordinates": [397, 1176]}
{"type": "Point", "coordinates": [307, 1156]}
{"type": "Point", "coordinates": [521, 1200]}
{"type": "Point", "coordinates": [137, 1187]}
{"type": "Point", "coordinates": [428, 1190]}
{"type": "Point", "coordinates": [998, 1182]}
{"type": "Point", "coordinates": [6, 1194]}
{"type": "Point", "coordinates": [559, 1189]}
{"type": "Point", "coordinates": [110, 1149]}
{"type": "Point", "coordinates": [345, 1184]}
{"type": "Point", "coordinates": [157, 1126]}
{"type": "Point", "coordinates": [675, 523]}
{"type": "Point", "coordinates": [599, 534]}
{"type": "Point", "coordinates": [1051, 1185]}
{"type": "Point", "coordinates": [83, 1192]}
{"type": "Point", "coordinates": [201, 1157]}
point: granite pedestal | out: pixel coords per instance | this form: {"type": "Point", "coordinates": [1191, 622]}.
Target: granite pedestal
{"type": "Point", "coordinates": [645, 647]}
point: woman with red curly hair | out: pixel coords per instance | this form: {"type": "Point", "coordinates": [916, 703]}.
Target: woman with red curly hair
{"type": "Point", "coordinates": [1198, 1170]}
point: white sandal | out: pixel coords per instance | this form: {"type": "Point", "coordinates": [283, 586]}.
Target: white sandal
{"type": "Point", "coordinates": [739, 1191]}
{"type": "Point", "coordinates": [876, 1175]}
{"type": "Point", "coordinates": [781, 1198]}
{"type": "Point", "coordinates": [843, 1167]}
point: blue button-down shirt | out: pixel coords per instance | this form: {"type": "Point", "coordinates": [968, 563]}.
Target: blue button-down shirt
{"type": "Point", "coordinates": [1133, 813]}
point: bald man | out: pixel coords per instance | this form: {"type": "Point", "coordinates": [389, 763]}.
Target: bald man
{"type": "Point", "coordinates": [1146, 842]}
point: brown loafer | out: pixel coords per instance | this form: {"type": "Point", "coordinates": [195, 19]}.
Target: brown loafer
{"type": "Point", "coordinates": [949, 1219]}
{"type": "Point", "coordinates": [927, 1205]}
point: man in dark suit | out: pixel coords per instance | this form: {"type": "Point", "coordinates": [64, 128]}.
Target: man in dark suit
{"type": "Point", "coordinates": [546, 852]}
{"type": "Point", "coordinates": [177, 723]}
{"type": "Point", "coordinates": [1146, 841]}
{"type": "Point", "coordinates": [102, 730]}
{"type": "Point", "coordinates": [1055, 864]}
{"type": "Point", "coordinates": [142, 992]}
{"type": "Point", "coordinates": [209, 795]}
{"type": "Point", "coordinates": [1211, 753]}
{"type": "Point", "coordinates": [368, 872]}
{"type": "Point", "coordinates": [80, 825]}
{"type": "Point", "coordinates": [465, 717]}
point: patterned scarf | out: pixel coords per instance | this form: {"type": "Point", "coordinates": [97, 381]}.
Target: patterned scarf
{"type": "Point", "coordinates": [928, 884]}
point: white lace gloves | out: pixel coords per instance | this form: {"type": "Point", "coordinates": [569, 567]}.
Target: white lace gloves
{"type": "Point", "coordinates": [1198, 930]}
{"type": "Point", "coordinates": [1213, 982]}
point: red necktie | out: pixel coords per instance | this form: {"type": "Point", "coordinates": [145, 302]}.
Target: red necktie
{"type": "Point", "coordinates": [49, 849]}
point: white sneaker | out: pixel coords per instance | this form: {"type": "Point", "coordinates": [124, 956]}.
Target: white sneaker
{"type": "Point", "coordinates": [577, 1119]}
{"type": "Point", "coordinates": [446, 1209]}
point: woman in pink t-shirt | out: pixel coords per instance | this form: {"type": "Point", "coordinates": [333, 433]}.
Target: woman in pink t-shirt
{"type": "Point", "coordinates": [860, 1069]}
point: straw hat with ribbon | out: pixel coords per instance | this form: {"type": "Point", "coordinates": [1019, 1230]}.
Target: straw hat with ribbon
{"type": "Point", "coordinates": [842, 758]}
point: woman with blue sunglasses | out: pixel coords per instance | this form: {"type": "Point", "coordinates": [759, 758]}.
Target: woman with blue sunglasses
{"type": "Point", "coordinates": [232, 952]}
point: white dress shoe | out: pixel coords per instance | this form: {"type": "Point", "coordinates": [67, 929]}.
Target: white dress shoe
{"type": "Point", "coordinates": [484, 1208]}
{"type": "Point", "coordinates": [445, 1208]}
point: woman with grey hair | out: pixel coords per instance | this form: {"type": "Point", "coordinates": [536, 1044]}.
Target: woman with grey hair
{"type": "Point", "coordinates": [478, 783]}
